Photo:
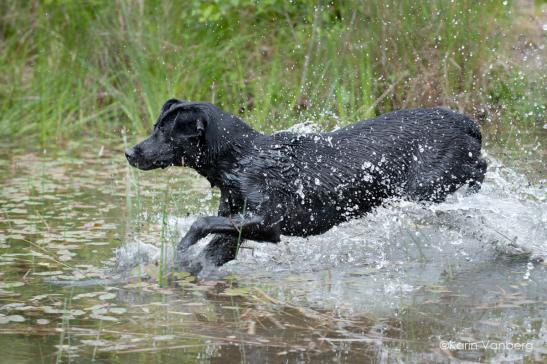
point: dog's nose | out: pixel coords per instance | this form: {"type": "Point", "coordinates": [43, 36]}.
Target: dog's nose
{"type": "Point", "coordinates": [129, 153]}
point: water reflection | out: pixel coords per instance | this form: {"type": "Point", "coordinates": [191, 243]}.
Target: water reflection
{"type": "Point", "coordinates": [393, 286]}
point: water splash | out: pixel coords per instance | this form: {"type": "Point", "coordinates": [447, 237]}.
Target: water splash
{"type": "Point", "coordinates": [508, 217]}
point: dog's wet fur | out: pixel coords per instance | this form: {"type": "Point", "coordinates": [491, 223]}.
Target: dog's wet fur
{"type": "Point", "coordinates": [304, 184]}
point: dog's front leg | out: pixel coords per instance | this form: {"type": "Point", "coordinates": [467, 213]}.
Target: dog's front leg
{"type": "Point", "coordinates": [244, 227]}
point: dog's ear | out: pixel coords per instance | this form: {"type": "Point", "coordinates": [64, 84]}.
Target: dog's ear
{"type": "Point", "coordinates": [168, 105]}
{"type": "Point", "coordinates": [190, 120]}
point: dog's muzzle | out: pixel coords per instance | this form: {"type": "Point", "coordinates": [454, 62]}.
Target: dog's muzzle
{"type": "Point", "coordinates": [131, 156]}
{"type": "Point", "coordinates": [136, 159]}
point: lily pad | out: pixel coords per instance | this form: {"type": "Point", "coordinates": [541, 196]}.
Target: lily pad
{"type": "Point", "coordinates": [86, 295]}
{"type": "Point", "coordinates": [107, 296]}
{"type": "Point", "coordinates": [50, 273]}
{"type": "Point", "coordinates": [118, 310]}
{"type": "Point", "coordinates": [104, 318]}
{"type": "Point", "coordinates": [95, 342]}
{"type": "Point", "coordinates": [243, 292]}
{"type": "Point", "coordinates": [11, 284]}
{"type": "Point", "coordinates": [16, 318]}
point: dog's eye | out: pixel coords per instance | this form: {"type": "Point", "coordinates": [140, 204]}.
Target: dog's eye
{"type": "Point", "coordinates": [160, 128]}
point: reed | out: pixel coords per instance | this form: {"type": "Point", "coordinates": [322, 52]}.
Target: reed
{"type": "Point", "coordinates": [72, 69]}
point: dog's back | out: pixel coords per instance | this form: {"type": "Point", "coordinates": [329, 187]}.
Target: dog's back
{"type": "Point", "coordinates": [438, 150]}
{"type": "Point", "coordinates": [317, 180]}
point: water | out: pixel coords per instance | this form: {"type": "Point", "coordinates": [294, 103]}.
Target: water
{"type": "Point", "coordinates": [81, 236]}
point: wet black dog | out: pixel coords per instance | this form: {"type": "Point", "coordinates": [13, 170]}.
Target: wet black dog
{"type": "Point", "coordinates": [304, 184]}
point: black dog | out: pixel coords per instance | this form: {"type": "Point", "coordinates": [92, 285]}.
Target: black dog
{"type": "Point", "coordinates": [304, 184]}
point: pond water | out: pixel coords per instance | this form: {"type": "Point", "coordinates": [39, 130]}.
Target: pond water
{"type": "Point", "coordinates": [86, 272]}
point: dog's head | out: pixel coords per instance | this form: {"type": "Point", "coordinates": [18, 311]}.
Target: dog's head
{"type": "Point", "coordinates": [178, 137]}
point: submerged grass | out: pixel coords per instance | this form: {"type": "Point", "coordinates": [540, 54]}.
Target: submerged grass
{"type": "Point", "coordinates": [72, 69]}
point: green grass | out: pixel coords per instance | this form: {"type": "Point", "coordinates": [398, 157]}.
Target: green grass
{"type": "Point", "coordinates": [73, 69]}
{"type": "Point", "coordinates": [163, 264]}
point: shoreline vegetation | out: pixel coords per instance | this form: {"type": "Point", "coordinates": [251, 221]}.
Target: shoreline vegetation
{"type": "Point", "coordinates": [76, 70]}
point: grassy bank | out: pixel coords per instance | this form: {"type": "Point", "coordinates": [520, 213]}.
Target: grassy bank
{"type": "Point", "coordinates": [70, 69]}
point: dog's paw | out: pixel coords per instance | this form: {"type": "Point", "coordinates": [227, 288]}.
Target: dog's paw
{"type": "Point", "coordinates": [188, 263]}
{"type": "Point", "coordinates": [203, 264]}
{"type": "Point", "coordinates": [183, 246]}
